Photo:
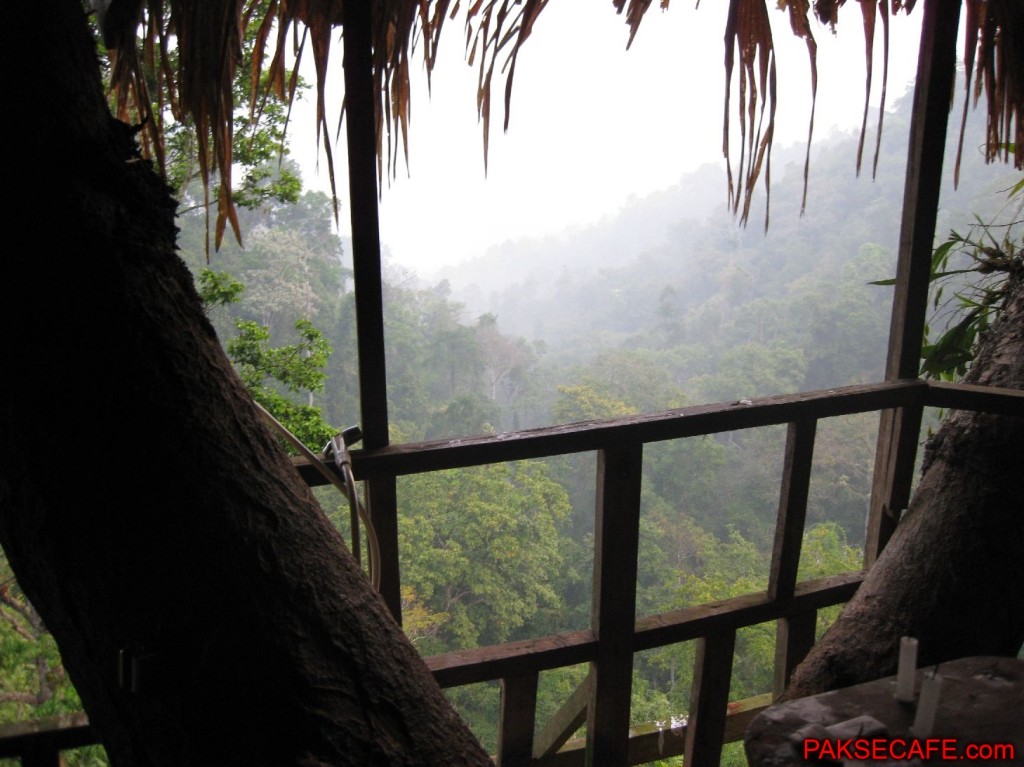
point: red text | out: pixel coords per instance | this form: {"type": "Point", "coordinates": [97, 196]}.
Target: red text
{"type": "Point", "coordinates": [903, 749]}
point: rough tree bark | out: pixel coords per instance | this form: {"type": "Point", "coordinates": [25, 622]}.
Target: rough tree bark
{"type": "Point", "coordinates": [953, 573]}
{"type": "Point", "coordinates": [143, 506]}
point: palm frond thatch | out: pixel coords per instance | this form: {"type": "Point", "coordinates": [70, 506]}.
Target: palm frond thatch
{"type": "Point", "coordinates": [208, 37]}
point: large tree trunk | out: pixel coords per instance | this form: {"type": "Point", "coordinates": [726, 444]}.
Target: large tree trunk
{"type": "Point", "coordinates": [144, 508]}
{"type": "Point", "coordinates": [953, 573]}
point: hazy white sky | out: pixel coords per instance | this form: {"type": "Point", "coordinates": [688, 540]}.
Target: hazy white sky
{"type": "Point", "coordinates": [593, 124]}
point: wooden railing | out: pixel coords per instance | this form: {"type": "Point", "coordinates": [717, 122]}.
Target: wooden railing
{"type": "Point", "coordinates": [602, 701]}
{"type": "Point", "coordinates": [39, 743]}
{"type": "Point", "coordinates": [616, 633]}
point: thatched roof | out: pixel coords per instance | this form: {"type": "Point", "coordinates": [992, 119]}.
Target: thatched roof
{"type": "Point", "coordinates": [207, 36]}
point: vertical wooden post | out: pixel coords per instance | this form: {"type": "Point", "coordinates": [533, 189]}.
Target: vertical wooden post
{"type": "Point", "coordinates": [899, 429]}
{"type": "Point", "coordinates": [616, 540]}
{"type": "Point", "coordinates": [517, 720]}
{"type": "Point", "coordinates": [361, 133]}
{"type": "Point", "coordinates": [382, 502]}
{"type": "Point", "coordinates": [709, 700]}
{"type": "Point", "coordinates": [794, 637]}
{"type": "Point", "coordinates": [789, 526]}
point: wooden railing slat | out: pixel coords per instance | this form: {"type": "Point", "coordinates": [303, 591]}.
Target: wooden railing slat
{"type": "Point", "coordinates": [382, 504]}
{"type": "Point", "coordinates": [616, 542]}
{"type": "Point", "coordinates": [898, 437]}
{"type": "Point", "coordinates": [709, 700]}
{"type": "Point", "coordinates": [789, 528]}
{"type": "Point", "coordinates": [516, 721]}
{"type": "Point", "coordinates": [794, 637]}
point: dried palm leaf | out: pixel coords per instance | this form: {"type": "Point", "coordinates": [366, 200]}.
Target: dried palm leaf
{"type": "Point", "coordinates": [207, 38]}
{"type": "Point", "coordinates": [996, 27]}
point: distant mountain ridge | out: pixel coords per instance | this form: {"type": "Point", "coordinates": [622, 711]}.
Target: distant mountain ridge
{"type": "Point", "coordinates": [521, 281]}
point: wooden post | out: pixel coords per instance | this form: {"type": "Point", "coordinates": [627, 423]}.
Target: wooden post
{"type": "Point", "coordinates": [899, 429]}
{"type": "Point", "coordinates": [709, 700]}
{"type": "Point", "coordinates": [789, 527]}
{"type": "Point", "coordinates": [382, 503]}
{"type": "Point", "coordinates": [616, 539]}
{"type": "Point", "coordinates": [516, 721]}
{"type": "Point", "coordinates": [794, 637]}
{"type": "Point", "coordinates": [361, 133]}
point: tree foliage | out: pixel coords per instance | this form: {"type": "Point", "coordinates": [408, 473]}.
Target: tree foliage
{"type": "Point", "coordinates": [976, 265]}
{"type": "Point", "coordinates": [483, 549]}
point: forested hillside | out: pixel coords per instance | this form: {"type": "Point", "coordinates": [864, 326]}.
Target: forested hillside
{"type": "Point", "coordinates": [668, 304]}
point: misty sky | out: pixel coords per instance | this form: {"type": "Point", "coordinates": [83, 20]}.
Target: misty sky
{"type": "Point", "coordinates": [593, 124]}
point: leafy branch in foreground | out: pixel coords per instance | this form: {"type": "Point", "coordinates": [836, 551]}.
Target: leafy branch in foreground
{"type": "Point", "coordinates": [989, 251]}
{"type": "Point", "coordinates": [977, 303]}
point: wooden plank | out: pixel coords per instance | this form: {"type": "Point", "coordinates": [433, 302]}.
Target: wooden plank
{"type": "Point", "coordinates": [361, 134]}
{"type": "Point", "coordinates": [709, 700]}
{"type": "Point", "coordinates": [898, 431]}
{"type": "Point", "coordinates": [654, 427]}
{"type": "Point", "coordinates": [898, 437]}
{"type": "Point", "coordinates": [649, 742]}
{"type": "Point", "coordinates": [657, 740]}
{"type": "Point", "coordinates": [616, 541]}
{"type": "Point", "coordinates": [483, 664]}
{"type": "Point", "coordinates": [382, 505]}
{"type": "Point", "coordinates": [566, 721]}
{"type": "Point", "coordinates": [518, 658]}
{"type": "Point", "coordinates": [49, 734]}
{"type": "Point", "coordinates": [516, 721]}
{"type": "Point", "coordinates": [794, 638]}
{"type": "Point", "coordinates": [789, 527]}
{"type": "Point", "coordinates": [986, 399]}
{"type": "Point", "coordinates": [735, 613]}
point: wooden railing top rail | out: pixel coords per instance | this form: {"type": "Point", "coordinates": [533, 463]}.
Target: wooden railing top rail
{"type": "Point", "coordinates": [696, 420]}
{"type": "Point", "coordinates": [50, 734]}
{"type": "Point", "coordinates": [436, 455]}
{"type": "Point", "coordinates": [987, 399]}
